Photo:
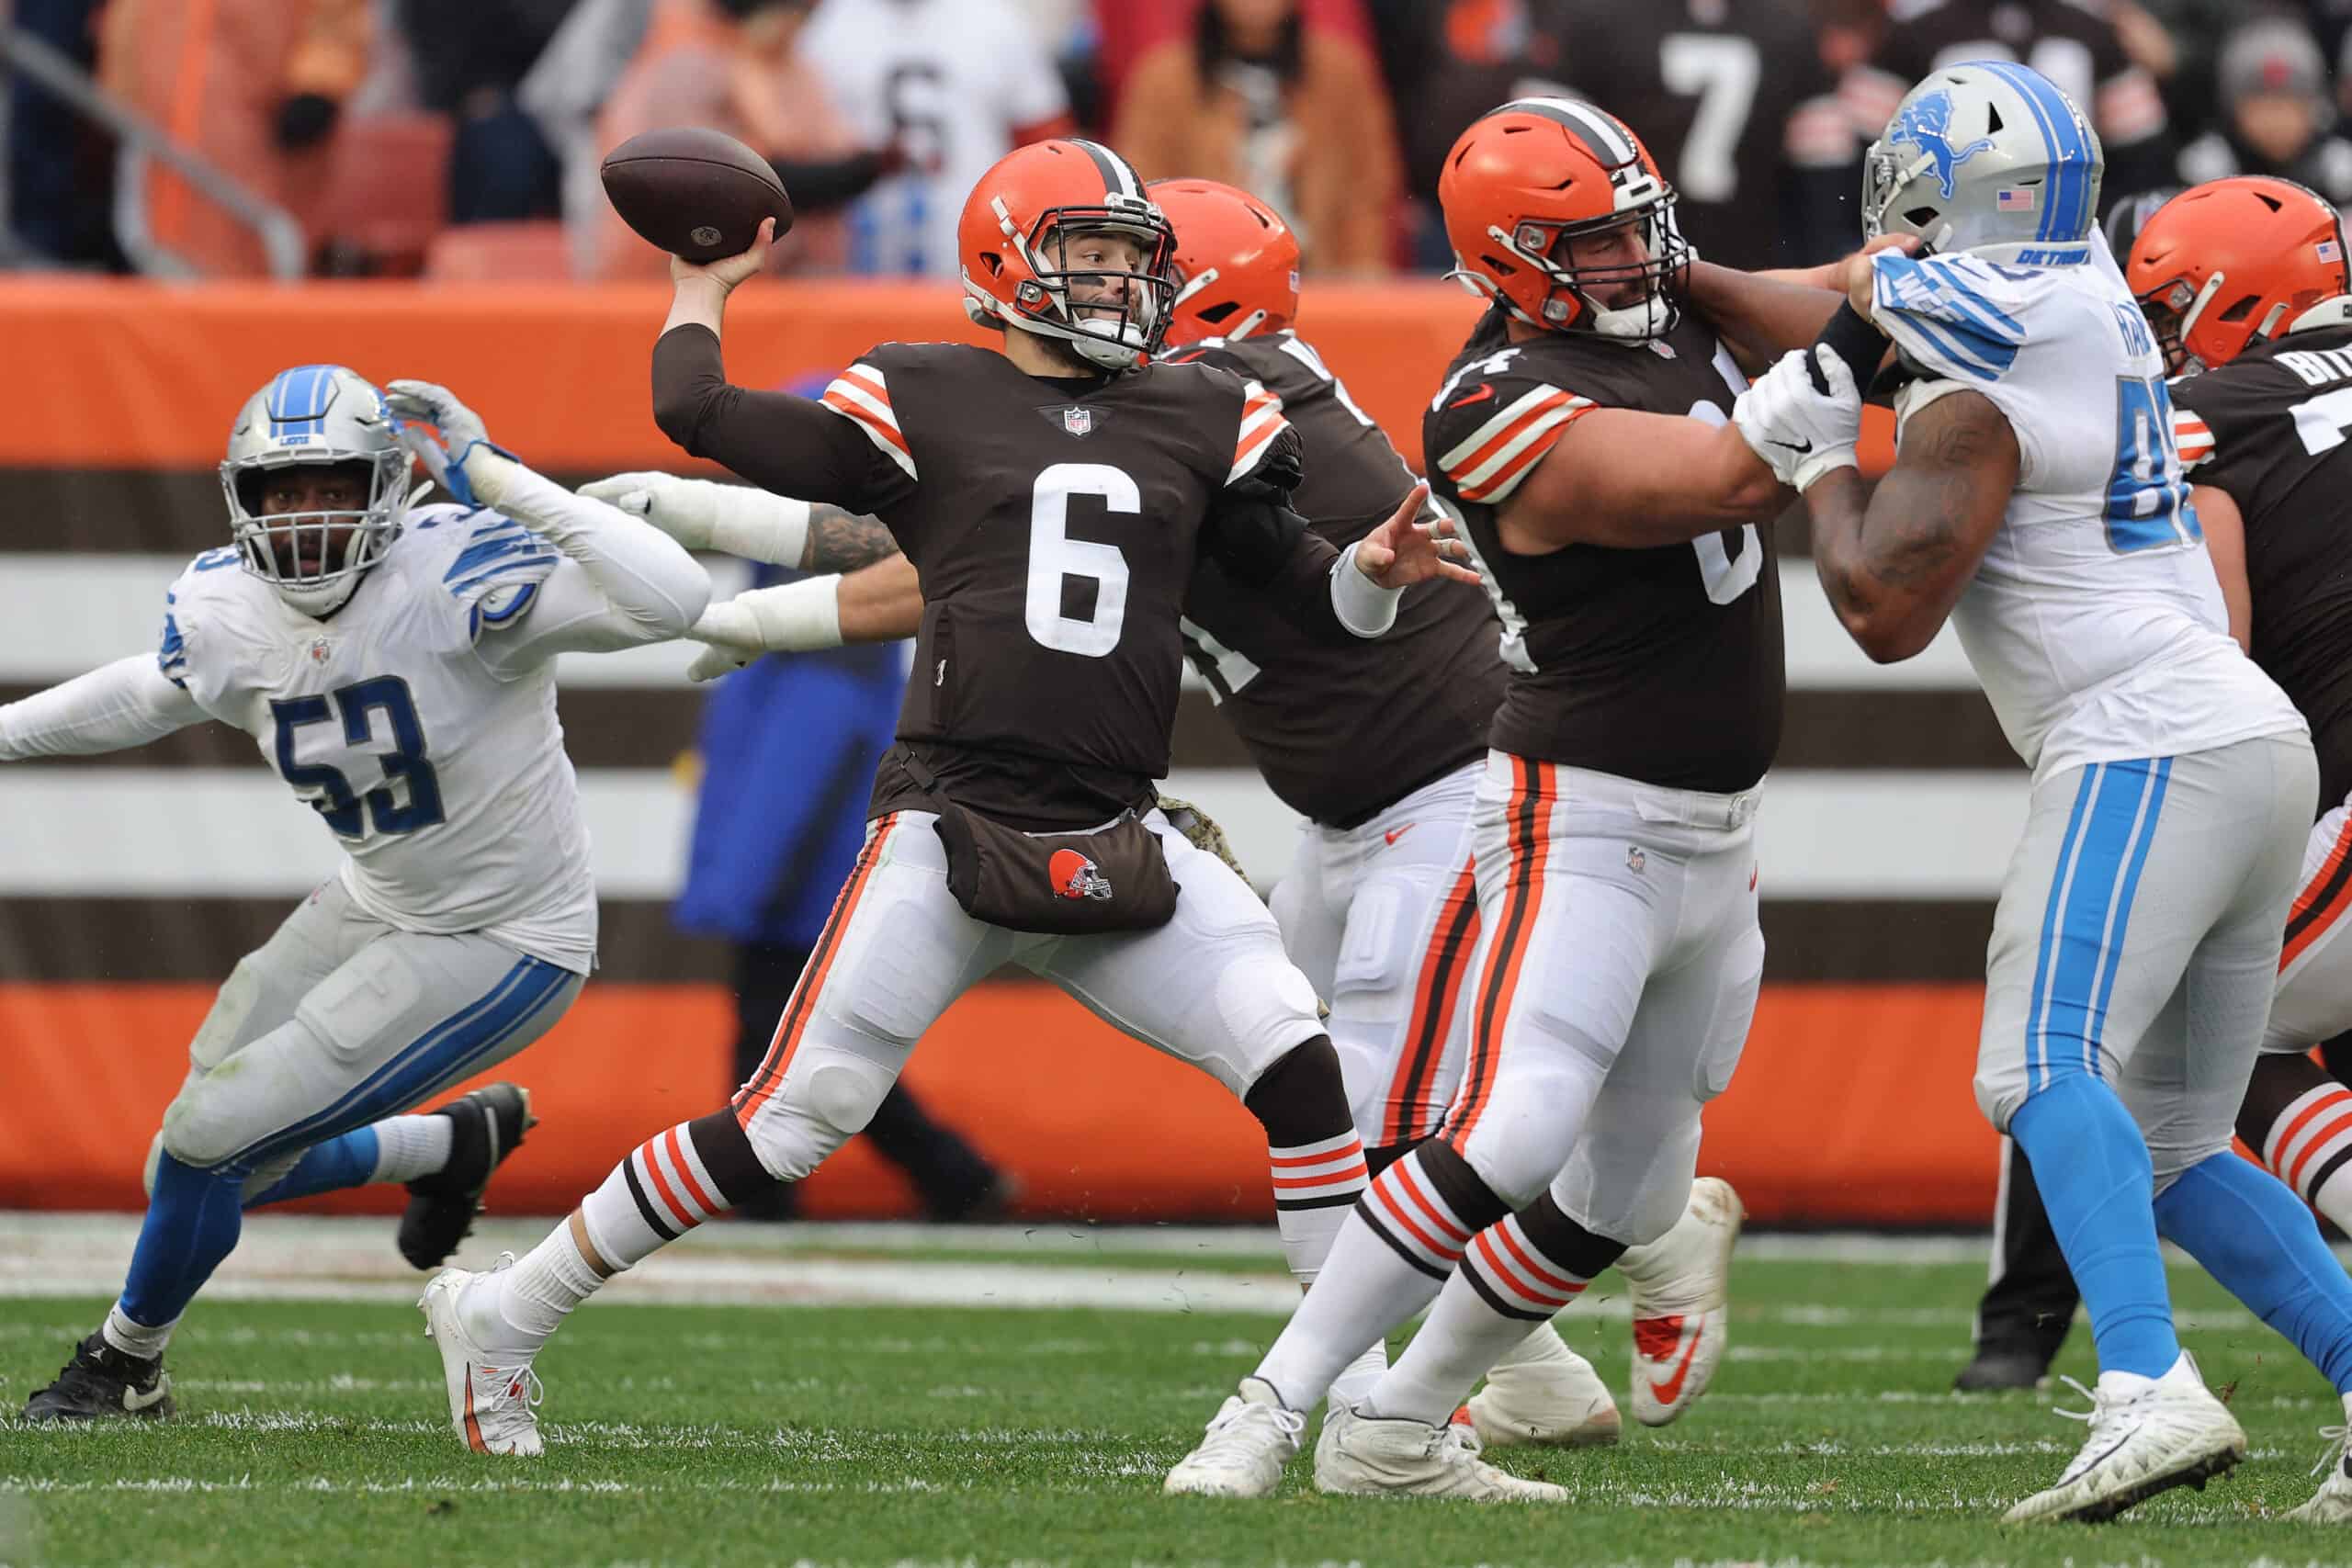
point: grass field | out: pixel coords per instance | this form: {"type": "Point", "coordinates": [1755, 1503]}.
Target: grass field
{"type": "Point", "coordinates": [314, 1431]}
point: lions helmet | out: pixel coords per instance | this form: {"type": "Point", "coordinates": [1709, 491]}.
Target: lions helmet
{"type": "Point", "coordinates": [1558, 213]}
{"type": "Point", "coordinates": [2223, 266]}
{"type": "Point", "coordinates": [1990, 158]}
{"type": "Point", "coordinates": [1014, 242]}
{"type": "Point", "coordinates": [315, 416]}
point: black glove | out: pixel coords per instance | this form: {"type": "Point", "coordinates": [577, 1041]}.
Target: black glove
{"type": "Point", "coordinates": [304, 120]}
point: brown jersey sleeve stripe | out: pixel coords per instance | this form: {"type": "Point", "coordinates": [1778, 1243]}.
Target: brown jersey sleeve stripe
{"type": "Point", "coordinates": [1529, 848]}
{"type": "Point", "coordinates": [860, 395]}
{"type": "Point", "coordinates": [1407, 1117]}
{"type": "Point", "coordinates": [1261, 420]}
{"type": "Point", "coordinates": [1489, 465]}
{"type": "Point", "coordinates": [763, 1084]}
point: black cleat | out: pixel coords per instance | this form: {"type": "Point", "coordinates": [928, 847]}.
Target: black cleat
{"type": "Point", "coordinates": [2002, 1367]}
{"type": "Point", "coordinates": [485, 1127]}
{"type": "Point", "coordinates": [100, 1381]}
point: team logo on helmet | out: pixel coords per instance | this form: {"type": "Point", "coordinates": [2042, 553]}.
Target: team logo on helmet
{"type": "Point", "coordinates": [1926, 123]}
{"type": "Point", "coordinates": [1075, 876]}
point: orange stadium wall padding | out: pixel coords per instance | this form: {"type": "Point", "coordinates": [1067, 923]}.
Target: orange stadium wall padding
{"type": "Point", "coordinates": [1852, 1107]}
{"type": "Point", "coordinates": [118, 374]}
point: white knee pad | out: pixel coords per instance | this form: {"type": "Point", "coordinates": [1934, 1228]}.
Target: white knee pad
{"type": "Point", "coordinates": [827, 1097]}
{"type": "Point", "coordinates": [226, 1109]}
{"type": "Point", "coordinates": [1267, 1009]}
{"type": "Point", "coordinates": [231, 1006]}
{"type": "Point", "coordinates": [1526, 1130]}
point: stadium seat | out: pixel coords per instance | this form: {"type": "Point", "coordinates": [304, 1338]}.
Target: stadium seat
{"type": "Point", "coordinates": [499, 253]}
{"type": "Point", "coordinates": [389, 192]}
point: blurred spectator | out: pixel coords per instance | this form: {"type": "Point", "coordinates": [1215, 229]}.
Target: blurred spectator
{"type": "Point", "coordinates": [1448, 63]}
{"type": "Point", "coordinates": [789, 746]}
{"type": "Point", "coordinates": [1734, 102]}
{"type": "Point", "coordinates": [1295, 115]}
{"type": "Point", "coordinates": [254, 85]}
{"type": "Point", "coordinates": [1133, 28]}
{"type": "Point", "coordinates": [2192, 30]}
{"type": "Point", "coordinates": [2127, 216]}
{"type": "Point", "coordinates": [2076, 45]}
{"type": "Point", "coordinates": [955, 84]}
{"type": "Point", "coordinates": [57, 177]}
{"type": "Point", "coordinates": [734, 66]}
{"type": "Point", "coordinates": [2277, 110]}
{"type": "Point", "coordinates": [468, 58]}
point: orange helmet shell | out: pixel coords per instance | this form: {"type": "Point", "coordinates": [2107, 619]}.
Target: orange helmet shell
{"type": "Point", "coordinates": [1237, 260]}
{"type": "Point", "coordinates": [1009, 243]}
{"type": "Point", "coordinates": [1538, 171]}
{"type": "Point", "coordinates": [2232, 263]}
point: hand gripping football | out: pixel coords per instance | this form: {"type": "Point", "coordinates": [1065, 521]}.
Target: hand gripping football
{"type": "Point", "coordinates": [694, 193]}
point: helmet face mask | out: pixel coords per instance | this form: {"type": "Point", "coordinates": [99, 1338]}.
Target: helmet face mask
{"type": "Point", "coordinates": [1623, 275]}
{"type": "Point", "coordinates": [1032, 260]}
{"type": "Point", "coordinates": [318, 424]}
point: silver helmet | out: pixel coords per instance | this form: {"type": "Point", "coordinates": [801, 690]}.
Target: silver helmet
{"type": "Point", "coordinates": [315, 415]}
{"type": "Point", "coordinates": [1990, 158]}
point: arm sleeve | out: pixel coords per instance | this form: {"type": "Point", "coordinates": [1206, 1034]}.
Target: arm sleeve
{"type": "Point", "coordinates": [620, 582]}
{"type": "Point", "coordinates": [845, 448]}
{"type": "Point", "coordinates": [117, 706]}
{"type": "Point", "coordinates": [1256, 539]}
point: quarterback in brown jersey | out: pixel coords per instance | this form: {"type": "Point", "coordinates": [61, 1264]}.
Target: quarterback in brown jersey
{"type": "Point", "coordinates": [1052, 498]}
{"type": "Point", "coordinates": [1583, 439]}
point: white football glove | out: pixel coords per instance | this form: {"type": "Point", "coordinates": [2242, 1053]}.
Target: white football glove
{"type": "Point", "coordinates": [1801, 432]}
{"type": "Point", "coordinates": [791, 617]}
{"type": "Point", "coordinates": [465, 461]}
{"type": "Point", "coordinates": [702, 514]}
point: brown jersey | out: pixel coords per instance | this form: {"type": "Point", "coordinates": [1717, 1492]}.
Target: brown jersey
{"type": "Point", "coordinates": [1340, 731]}
{"type": "Point", "coordinates": [1662, 665]}
{"type": "Point", "coordinates": [2268, 429]}
{"type": "Point", "coordinates": [1053, 525]}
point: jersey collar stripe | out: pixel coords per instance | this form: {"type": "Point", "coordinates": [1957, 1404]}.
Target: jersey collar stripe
{"type": "Point", "coordinates": [1118, 176]}
{"type": "Point", "coordinates": [1511, 414]}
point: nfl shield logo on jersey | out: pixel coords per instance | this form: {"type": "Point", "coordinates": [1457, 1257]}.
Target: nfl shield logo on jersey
{"type": "Point", "coordinates": [1077, 422]}
{"type": "Point", "coordinates": [1075, 876]}
{"type": "Point", "coordinates": [322, 650]}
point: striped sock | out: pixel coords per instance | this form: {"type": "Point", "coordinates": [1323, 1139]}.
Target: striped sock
{"type": "Point", "coordinates": [1514, 1273]}
{"type": "Point", "coordinates": [2300, 1120]}
{"type": "Point", "coordinates": [1315, 1186]}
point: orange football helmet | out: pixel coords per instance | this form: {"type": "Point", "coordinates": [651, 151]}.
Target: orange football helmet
{"type": "Point", "coordinates": [1556, 211]}
{"type": "Point", "coordinates": [1014, 238]}
{"type": "Point", "coordinates": [2233, 263]}
{"type": "Point", "coordinates": [1236, 262]}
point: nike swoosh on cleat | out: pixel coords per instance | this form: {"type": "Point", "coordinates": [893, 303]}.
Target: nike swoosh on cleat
{"type": "Point", "coordinates": [134, 1401]}
{"type": "Point", "coordinates": [1663, 1392]}
{"type": "Point", "coordinates": [473, 1426]}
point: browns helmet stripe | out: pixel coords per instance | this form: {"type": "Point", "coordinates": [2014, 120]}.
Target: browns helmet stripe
{"type": "Point", "coordinates": [1599, 130]}
{"type": "Point", "coordinates": [1119, 177]}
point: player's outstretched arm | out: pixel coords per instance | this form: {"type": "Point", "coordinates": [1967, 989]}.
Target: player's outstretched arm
{"type": "Point", "coordinates": [881, 603]}
{"type": "Point", "coordinates": [621, 583]}
{"type": "Point", "coordinates": [745, 520]}
{"type": "Point", "coordinates": [1632, 480]}
{"type": "Point", "coordinates": [1762, 315]}
{"type": "Point", "coordinates": [112, 708]}
{"type": "Point", "coordinates": [1895, 561]}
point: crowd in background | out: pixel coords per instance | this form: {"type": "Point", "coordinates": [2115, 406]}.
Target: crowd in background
{"type": "Point", "coordinates": [461, 138]}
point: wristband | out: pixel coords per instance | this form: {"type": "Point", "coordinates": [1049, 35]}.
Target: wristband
{"type": "Point", "coordinates": [1363, 606]}
{"type": "Point", "coordinates": [797, 617]}
{"type": "Point", "coordinates": [1854, 340]}
{"type": "Point", "coordinates": [758, 525]}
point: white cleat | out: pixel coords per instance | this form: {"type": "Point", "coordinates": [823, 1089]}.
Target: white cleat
{"type": "Point", "coordinates": [2148, 1434]}
{"type": "Point", "coordinates": [2332, 1505]}
{"type": "Point", "coordinates": [1543, 1392]}
{"type": "Point", "coordinates": [1678, 1287]}
{"type": "Point", "coordinates": [1363, 1456]}
{"type": "Point", "coordinates": [493, 1395]}
{"type": "Point", "coordinates": [1245, 1449]}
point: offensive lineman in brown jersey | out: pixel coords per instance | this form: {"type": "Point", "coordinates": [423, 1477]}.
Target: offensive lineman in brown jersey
{"type": "Point", "coordinates": [1053, 498]}
{"type": "Point", "coordinates": [1620, 521]}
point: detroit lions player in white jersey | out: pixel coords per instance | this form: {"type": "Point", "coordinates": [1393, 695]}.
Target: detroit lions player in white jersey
{"type": "Point", "coordinates": [2037, 502]}
{"type": "Point", "coordinates": [394, 664]}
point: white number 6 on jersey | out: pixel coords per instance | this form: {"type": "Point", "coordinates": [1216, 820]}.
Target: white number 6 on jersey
{"type": "Point", "coordinates": [1054, 555]}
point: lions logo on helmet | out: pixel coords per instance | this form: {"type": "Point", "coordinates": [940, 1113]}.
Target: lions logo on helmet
{"type": "Point", "coordinates": [1075, 876]}
{"type": "Point", "coordinates": [1987, 157]}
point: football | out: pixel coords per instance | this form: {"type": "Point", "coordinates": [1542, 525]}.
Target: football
{"type": "Point", "coordinates": [693, 193]}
